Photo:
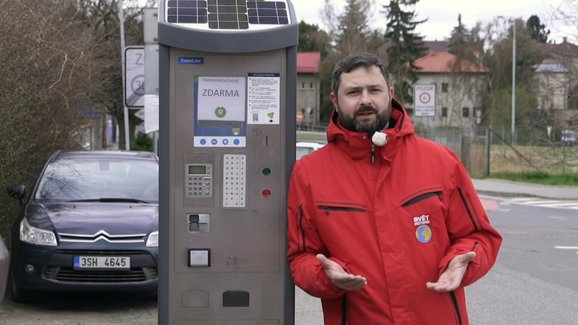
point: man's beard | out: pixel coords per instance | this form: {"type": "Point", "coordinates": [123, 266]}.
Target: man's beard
{"type": "Point", "coordinates": [369, 127]}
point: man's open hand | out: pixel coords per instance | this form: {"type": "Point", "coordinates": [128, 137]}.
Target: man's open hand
{"type": "Point", "coordinates": [339, 277]}
{"type": "Point", "coordinates": [452, 277]}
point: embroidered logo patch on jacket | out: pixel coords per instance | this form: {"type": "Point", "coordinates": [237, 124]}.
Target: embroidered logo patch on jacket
{"type": "Point", "coordinates": [423, 232]}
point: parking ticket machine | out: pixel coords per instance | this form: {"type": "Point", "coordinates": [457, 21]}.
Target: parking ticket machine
{"type": "Point", "coordinates": [227, 83]}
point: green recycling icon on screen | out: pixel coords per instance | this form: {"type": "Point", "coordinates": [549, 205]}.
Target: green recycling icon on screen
{"type": "Point", "coordinates": [220, 112]}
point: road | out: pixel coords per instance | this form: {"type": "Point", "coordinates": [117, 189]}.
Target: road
{"type": "Point", "coordinates": [534, 280]}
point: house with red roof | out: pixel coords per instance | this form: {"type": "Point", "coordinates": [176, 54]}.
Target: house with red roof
{"type": "Point", "coordinates": [308, 88]}
{"type": "Point", "coordinates": [448, 93]}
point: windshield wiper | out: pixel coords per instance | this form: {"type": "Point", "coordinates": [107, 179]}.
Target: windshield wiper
{"type": "Point", "coordinates": [112, 199]}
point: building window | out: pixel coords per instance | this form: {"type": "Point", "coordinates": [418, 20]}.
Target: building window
{"type": "Point", "coordinates": [303, 85]}
{"type": "Point", "coordinates": [445, 87]}
{"type": "Point", "coordinates": [465, 111]}
{"type": "Point", "coordinates": [444, 112]}
{"type": "Point", "coordinates": [311, 85]}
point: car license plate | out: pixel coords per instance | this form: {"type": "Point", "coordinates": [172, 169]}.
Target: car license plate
{"type": "Point", "coordinates": [101, 262]}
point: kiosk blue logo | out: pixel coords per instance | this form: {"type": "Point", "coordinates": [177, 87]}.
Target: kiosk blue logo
{"type": "Point", "coordinates": [190, 60]}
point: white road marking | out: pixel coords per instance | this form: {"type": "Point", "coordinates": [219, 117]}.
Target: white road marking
{"type": "Point", "coordinates": [566, 247]}
{"type": "Point", "coordinates": [537, 202]}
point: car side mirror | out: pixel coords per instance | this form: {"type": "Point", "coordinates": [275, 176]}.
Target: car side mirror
{"type": "Point", "coordinates": [17, 192]}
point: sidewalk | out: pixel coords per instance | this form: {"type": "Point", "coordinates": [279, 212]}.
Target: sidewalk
{"type": "Point", "coordinates": [510, 188]}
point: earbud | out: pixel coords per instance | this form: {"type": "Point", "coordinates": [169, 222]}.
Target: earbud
{"type": "Point", "coordinates": [379, 139]}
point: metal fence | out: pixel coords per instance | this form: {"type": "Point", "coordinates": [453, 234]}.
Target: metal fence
{"type": "Point", "coordinates": [485, 151]}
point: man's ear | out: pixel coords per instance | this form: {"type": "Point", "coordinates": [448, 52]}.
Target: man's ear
{"type": "Point", "coordinates": [333, 98]}
{"type": "Point", "coordinates": [391, 92]}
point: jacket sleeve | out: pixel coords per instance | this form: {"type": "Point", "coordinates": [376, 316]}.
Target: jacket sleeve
{"type": "Point", "coordinates": [304, 240]}
{"type": "Point", "coordinates": [469, 227]}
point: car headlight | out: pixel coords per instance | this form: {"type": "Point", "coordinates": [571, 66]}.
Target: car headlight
{"type": "Point", "coordinates": [153, 240]}
{"type": "Point", "coordinates": [35, 235]}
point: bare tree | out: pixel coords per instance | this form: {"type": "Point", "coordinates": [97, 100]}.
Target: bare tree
{"type": "Point", "coordinates": [102, 18]}
{"type": "Point", "coordinates": [49, 70]}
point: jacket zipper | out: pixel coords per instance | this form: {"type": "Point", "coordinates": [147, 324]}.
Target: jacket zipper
{"type": "Point", "coordinates": [422, 197]}
{"type": "Point", "coordinates": [327, 209]}
{"type": "Point", "coordinates": [344, 310]}
{"type": "Point", "coordinates": [372, 154]}
{"type": "Point", "coordinates": [467, 209]}
{"type": "Point", "coordinates": [456, 306]}
{"type": "Point", "coordinates": [304, 249]}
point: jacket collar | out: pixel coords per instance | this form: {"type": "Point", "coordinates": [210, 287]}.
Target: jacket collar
{"type": "Point", "coordinates": [358, 145]}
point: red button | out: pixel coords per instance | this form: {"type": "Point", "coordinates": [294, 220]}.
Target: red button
{"type": "Point", "coordinates": [266, 193]}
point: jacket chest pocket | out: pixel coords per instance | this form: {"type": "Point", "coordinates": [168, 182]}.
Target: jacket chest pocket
{"type": "Point", "coordinates": [342, 227]}
{"type": "Point", "coordinates": [339, 215]}
{"type": "Point", "coordinates": [336, 208]}
{"type": "Point", "coordinates": [425, 215]}
{"type": "Point", "coordinates": [421, 197]}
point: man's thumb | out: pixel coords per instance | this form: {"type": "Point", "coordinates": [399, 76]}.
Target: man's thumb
{"type": "Point", "coordinates": [469, 256]}
{"type": "Point", "coordinates": [322, 259]}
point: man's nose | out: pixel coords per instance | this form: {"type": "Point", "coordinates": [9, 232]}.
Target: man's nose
{"type": "Point", "coordinates": [365, 98]}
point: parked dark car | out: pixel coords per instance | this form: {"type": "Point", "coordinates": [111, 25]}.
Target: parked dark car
{"type": "Point", "coordinates": [90, 224]}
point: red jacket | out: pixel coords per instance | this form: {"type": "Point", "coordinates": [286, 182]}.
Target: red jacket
{"type": "Point", "coordinates": [396, 218]}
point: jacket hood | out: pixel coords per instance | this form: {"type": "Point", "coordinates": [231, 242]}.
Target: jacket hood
{"type": "Point", "coordinates": [400, 126]}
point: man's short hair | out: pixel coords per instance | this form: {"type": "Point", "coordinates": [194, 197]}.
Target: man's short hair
{"type": "Point", "coordinates": [351, 62]}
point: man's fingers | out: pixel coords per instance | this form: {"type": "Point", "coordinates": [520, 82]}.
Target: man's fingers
{"type": "Point", "coordinates": [441, 286]}
{"type": "Point", "coordinates": [351, 282]}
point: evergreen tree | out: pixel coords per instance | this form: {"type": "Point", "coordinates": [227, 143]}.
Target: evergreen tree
{"type": "Point", "coordinates": [405, 46]}
{"type": "Point", "coordinates": [465, 44]}
{"type": "Point", "coordinates": [312, 39]}
{"type": "Point", "coordinates": [537, 30]}
{"type": "Point", "coordinates": [353, 28]}
{"type": "Point", "coordinates": [458, 38]}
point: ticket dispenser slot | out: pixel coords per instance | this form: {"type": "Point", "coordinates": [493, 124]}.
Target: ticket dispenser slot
{"type": "Point", "coordinates": [199, 223]}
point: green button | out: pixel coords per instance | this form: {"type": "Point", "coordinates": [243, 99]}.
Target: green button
{"type": "Point", "coordinates": [266, 171]}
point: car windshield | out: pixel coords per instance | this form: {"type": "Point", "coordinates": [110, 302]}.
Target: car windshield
{"type": "Point", "coordinates": [109, 180]}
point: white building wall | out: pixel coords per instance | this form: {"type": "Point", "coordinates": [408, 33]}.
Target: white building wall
{"type": "Point", "coordinates": [463, 91]}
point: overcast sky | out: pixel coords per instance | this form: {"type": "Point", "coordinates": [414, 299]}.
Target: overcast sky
{"type": "Point", "coordinates": [442, 15]}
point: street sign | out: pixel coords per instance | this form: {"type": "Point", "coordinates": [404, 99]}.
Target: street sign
{"type": "Point", "coordinates": [424, 100]}
{"type": "Point", "coordinates": [134, 77]}
{"type": "Point", "coordinates": [299, 117]}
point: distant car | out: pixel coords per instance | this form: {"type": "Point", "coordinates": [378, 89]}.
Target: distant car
{"type": "Point", "coordinates": [305, 148]}
{"type": "Point", "coordinates": [90, 224]}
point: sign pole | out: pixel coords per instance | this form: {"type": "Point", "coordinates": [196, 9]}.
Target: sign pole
{"type": "Point", "coordinates": [125, 109]}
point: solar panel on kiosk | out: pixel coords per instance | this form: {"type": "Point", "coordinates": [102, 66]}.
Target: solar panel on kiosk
{"type": "Point", "coordinates": [227, 14]}
{"type": "Point", "coordinates": [187, 11]}
{"type": "Point", "coordinates": [271, 13]}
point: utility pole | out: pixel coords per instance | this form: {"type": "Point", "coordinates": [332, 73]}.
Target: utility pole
{"type": "Point", "coordinates": [514, 82]}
